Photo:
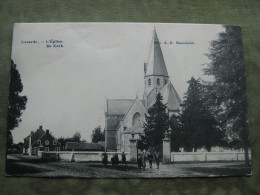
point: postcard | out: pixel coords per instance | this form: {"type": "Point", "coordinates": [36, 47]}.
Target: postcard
{"type": "Point", "coordinates": [127, 100]}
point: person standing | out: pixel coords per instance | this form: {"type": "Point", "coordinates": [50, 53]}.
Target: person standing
{"type": "Point", "coordinates": [116, 160]}
{"type": "Point", "coordinates": [124, 159]}
{"type": "Point", "coordinates": [139, 161]}
{"type": "Point", "coordinates": [144, 159]}
{"type": "Point", "coordinates": [150, 159]}
{"type": "Point", "coordinates": [156, 157]}
{"type": "Point", "coordinates": [105, 159]}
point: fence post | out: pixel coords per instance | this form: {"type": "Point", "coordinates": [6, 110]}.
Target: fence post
{"type": "Point", "coordinates": [133, 149]}
{"type": "Point", "coordinates": [166, 150]}
{"type": "Point", "coordinates": [72, 157]}
{"type": "Point", "coordinates": [205, 156]}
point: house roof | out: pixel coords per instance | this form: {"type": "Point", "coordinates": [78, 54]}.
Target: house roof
{"type": "Point", "coordinates": [43, 137]}
{"type": "Point", "coordinates": [119, 106]}
{"type": "Point", "coordinates": [34, 137]}
{"type": "Point", "coordinates": [27, 137]}
{"type": "Point", "coordinates": [83, 146]}
{"type": "Point", "coordinates": [47, 133]}
{"type": "Point", "coordinates": [37, 134]}
{"type": "Point", "coordinates": [155, 64]}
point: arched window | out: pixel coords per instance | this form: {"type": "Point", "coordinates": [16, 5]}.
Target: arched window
{"type": "Point", "coordinates": [158, 81]}
{"type": "Point", "coordinates": [136, 118]}
{"type": "Point", "coordinates": [46, 142]}
{"type": "Point", "coordinates": [149, 82]}
{"type": "Point", "coordinates": [165, 81]}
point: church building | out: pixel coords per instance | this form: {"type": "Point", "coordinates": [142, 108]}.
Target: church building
{"type": "Point", "coordinates": [125, 117]}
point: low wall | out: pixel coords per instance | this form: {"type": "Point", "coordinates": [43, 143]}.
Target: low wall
{"type": "Point", "coordinates": [207, 156]}
{"type": "Point", "coordinates": [39, 154]}
{"type": "Point", "coordinates": [79, 156]}
{"type": "Point", "coordinates": [82, 157]}
{"type": "Point", "coordinates": [65, 156]}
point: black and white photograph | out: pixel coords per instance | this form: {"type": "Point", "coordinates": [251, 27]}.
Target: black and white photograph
{"type": "Point", "coordinates": [127, 100]}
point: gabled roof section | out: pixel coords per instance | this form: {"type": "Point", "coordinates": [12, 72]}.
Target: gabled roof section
{"type": "Point", "coordinates": [47, 134]}
{"type": "Point", "coordinates": [27, 138]}
{"type": "Point", "coordinates": [151, 96]}
{"type": "Point", "coordinates": [155, 64]}
{"type": "Point", "coordinates": [119, 106]}
{"type": "Point", "coordinates": [37, 134]}
{"type": "Point", "coordinates": [170, 97]}
{"type": "Point", "coordinates": [34, 136]}
{"type": "Point", "coordinates": [137, 103]}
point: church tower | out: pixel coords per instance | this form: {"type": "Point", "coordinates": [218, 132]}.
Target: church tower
{"type": "Point", "coordinates": [124, 117]}
{"type": "Point", "coordinates": [155, 72]}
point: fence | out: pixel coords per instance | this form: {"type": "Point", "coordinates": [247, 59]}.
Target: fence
{"type": "Point", "coordinates": [79, 156]}
{"type": "Point", "coordinates": [207, 156]}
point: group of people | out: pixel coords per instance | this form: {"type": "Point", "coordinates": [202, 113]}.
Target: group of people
{"type": "Point", "coordinates": [114, 159]}
{"type": "Point", "coordinates": [141, 160]}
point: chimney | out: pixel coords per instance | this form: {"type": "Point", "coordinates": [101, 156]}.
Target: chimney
{"type": "Point", "coordinates": [32, 132]}
{"type": "Point", "coordinates": [40, 127]}
{"type": "Point", "coordinates": [47, 131]}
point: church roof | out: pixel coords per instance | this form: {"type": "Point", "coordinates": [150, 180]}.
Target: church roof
{"type": "Point", "coordinates": [119, 106]}
{"type": "Point", "coordinates": [155, 64]}
{"type": "Point", "coordinates": [170, 97]}
{"type": "Point", "coordinates": [137, 103]}
{"type": "Point", "coordinates": [151, 96]}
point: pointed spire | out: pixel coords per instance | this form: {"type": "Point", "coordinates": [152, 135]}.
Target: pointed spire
{"type": "Point", "coordinates": [155, 64]}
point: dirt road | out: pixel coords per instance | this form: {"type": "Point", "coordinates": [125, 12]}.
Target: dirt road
{"type": "Point", "coordinates": [31, 166]}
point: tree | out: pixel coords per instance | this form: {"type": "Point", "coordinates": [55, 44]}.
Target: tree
{"type": "Point", "coordinates": [62, 142]}
{"type": "Point", "coordinates": [157, 122]}
{"type": "Point", "coordinates": [176, 133]}
{"type": "Point", "coordinates": [76, 137]}
{"type": "Point", "coordinates": [199, 127]}
{"type": "Point", "coordinates": [228, 90]}
{"type": "Point", "coordinates": [98, 135]}
{"type": "Point", "coordinates": [9, 139]}
{"type": "Point", "coordinates": [17, 103]}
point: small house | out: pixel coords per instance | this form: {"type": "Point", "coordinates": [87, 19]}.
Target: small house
{"type": "Point", "coordinates": [40, 141]}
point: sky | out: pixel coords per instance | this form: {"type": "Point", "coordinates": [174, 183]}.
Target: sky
{"type": "Point", "coordinates": [67, 86]}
